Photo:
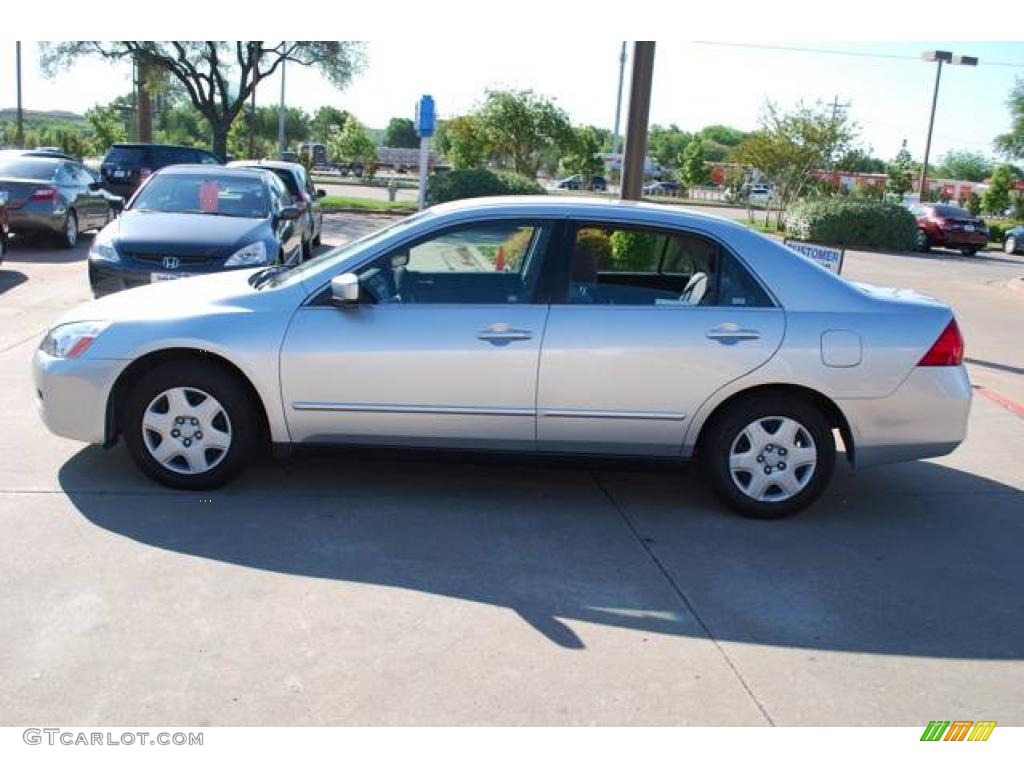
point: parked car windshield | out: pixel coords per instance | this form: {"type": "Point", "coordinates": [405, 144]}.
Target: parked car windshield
{"type": "Point", "coordinates": [28, 168]}
{"type": "Point", "coordinates": [213, 195]}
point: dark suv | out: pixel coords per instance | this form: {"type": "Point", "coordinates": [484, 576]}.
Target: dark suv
{"type": "Point", "coordinates": [126, 166]}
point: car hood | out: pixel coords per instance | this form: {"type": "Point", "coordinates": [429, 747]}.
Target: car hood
{"type": "Point", "coordinates": [183, 229]}
{"type": "Point", "coordinates": [203, 295]}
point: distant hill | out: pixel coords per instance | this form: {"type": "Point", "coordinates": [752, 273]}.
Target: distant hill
{"type": "Point", "coordinates": [60, 115]}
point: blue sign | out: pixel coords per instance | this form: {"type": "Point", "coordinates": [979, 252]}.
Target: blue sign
{"type": "Point", "coordinates": [425, 121]}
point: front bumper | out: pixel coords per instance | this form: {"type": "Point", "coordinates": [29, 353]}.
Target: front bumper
{"type": "Point", "coordinates": [72, 394]}
{"type": "Point", "coordinates": [926, 416]}
{"type": "Point", "coordinates": [110, 277]}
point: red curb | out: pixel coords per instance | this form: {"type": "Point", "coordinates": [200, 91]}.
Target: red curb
{"type": "Point", "coordinates": [1001, 400]}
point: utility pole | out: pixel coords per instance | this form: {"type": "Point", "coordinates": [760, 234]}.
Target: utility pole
{"type": "Point", "coordinates": [20, 135]}
{"type": "Point", "coordinates": [635, 153]}
{"type": "Point", "coordinates": [940, 57]}
{"type": "Point", "coordinates": [836, 106]}
{"type": "Point", "coordinates": [280, 116]}
{"type": "Point", "coordinates": [252, 125]}
{"type": "Point", "coordinates": [618, 99]}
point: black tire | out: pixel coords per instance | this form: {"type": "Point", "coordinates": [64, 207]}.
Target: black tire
{"type": "Point", "coordinates": [241, 411]}
{"type": "Point", "coordinates": [726, 429]}
{"type": "Point", "coordinates": [924, 243]}
{"type": "Point", "coordinates": [316, 240]}
{"type": "Point", "coordinates": [969, 251]}
{"type": "Point", "coordinates": [68, 238]}
{"type": "Point", "coordinates": [307, 249]}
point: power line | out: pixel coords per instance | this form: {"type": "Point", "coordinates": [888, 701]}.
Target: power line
{"type": "Point", "coordinates": [836, 52]}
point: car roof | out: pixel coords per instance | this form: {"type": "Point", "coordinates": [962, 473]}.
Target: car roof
{"type": "Point", "coordinates": [141, 144]}
{"type": "Point", "coordinates": [279, 164]}
{"type": "Point", "coordinates": [187, 169]}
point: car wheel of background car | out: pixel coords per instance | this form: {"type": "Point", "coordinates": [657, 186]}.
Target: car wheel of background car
{"type": "Point", "coordinates": [191, 425]}
{"type": "Point", "coordinates": [770, 457]}
{"type": "Point", "coordinates": [69, 237]}
{"type": "Point", "coordinates": [968, 251]}
{"type": "Point", "coordinates": [1010, 246]}
{"type": "Point", "coordinates": [316, 240]}
{"type": "Point", "coordinates": [307, 249]}
{"type": "Point", "coordinates": [924, 242]}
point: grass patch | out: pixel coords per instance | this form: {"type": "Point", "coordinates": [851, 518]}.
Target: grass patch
{"type": "Point", "coordinates": [333, 203]}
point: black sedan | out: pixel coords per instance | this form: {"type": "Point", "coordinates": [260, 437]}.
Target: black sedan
{"type": "Point", "coordinates": [53, 196]}
{"type": "Point", "coordinates": [195, 219]}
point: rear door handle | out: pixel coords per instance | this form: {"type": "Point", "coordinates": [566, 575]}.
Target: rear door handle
{"type": "Point", "coordinates": [729, 333]}
{"type": "Point", "coordinates": [501, 333]}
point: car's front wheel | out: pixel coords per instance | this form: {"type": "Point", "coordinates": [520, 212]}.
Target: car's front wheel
{"type": "Point", "coordinates": [191, 425]}
{"type": "Point", "coordinates": [770, 457]}
{"type": "Point", "coordinates": [924, 242]}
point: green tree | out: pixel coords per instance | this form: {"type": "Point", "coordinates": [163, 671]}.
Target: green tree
{"type": "Point", "coordinates": [107, 127]}
{"type": "Point", "coordinates": [693, 170]}
{"type": "Point", "coordinates": [666, 145]}
{"type": "Point", "coordinates": [719, 141]}
{"type": "Point", "coordinates": [997, 197]}
{"type": "Point", "coordinates": [1011, 145]}
{"type": "Point", "coordinates": [963, 165]}
{"type": "Point", "coordinates": [899, 172]}
{"type": "Point", "coordinates": [582, 155]}
{"type": "Point", "coordinates": [324, 118]}
{"type": "Point", "coordinates": [401, 132]}
{"type": "Point", "coordinates": [519, 126]}
{"type": "Point", "coordinates": [859, 161]}
{"type": "Point", "coordinates": [218, 76]}
{"type": "Point", "coordinates": [352, 144]}
{"type": "Point", "coordinates": [465, 143]}
{"type": "Point", "coordinates": [790, 145]}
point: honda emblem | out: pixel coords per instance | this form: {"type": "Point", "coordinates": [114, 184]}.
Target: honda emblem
{"type": "Point", "coordinates": [171, 262]}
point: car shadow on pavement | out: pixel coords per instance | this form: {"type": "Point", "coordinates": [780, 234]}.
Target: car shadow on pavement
{"type": "Point", "coordinates": [43, 250]}
{"type": "Point", "coordinates": [919, 559]}
{"type": "Point", "coordinates": [11, 278]}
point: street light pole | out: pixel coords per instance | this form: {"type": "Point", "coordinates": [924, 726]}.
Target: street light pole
{"type": "Point", "coordinates": [280, 116]}
{"type": "Point", "coordinates": [20, 136]}
{"type": "Point", "coordinates": [618, 99]}
{"type": "Point", "coordinates": [940, 58]}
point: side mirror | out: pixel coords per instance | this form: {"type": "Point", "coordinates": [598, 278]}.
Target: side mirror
{"type": "Point", "coordinates": [289, 213]}
{"type": "Point", "coordinates": [345, 289]}
{"type": "Point", "coordinates": [321, 193]}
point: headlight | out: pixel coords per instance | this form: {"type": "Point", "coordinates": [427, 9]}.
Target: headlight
{"type": "Point", "coordinates": [103, 252]}
{"type": "Point", "coordinates": [251, 256]}
{"type": "Point", "coordinates": [72, 339]}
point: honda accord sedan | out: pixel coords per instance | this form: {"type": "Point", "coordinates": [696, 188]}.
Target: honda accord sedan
{"type": "Point", "coordinates": [187, 220]}
{"type": "Point", "coordinates": [522, 324]}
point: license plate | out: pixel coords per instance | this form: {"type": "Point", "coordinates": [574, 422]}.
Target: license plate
{"type": "Point", "coordinates": [968, 227]}
{"type": "Point", "coordinates": [159, 277]}
{"type": "Point", "coordinates": [119, 174]}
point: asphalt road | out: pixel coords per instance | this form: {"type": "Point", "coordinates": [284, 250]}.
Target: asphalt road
{"type": "Point", "coordinates": [349, 587]}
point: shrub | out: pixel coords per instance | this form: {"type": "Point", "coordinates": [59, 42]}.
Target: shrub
{"type": "Point", "coordinates": [850, 222]}
{"type": "Point", "coordinates": [996, 233]}
{"type": "Point", "coordinates": [458, 185]}
{"type": "Point", "coordinates": [633, 251]}
{"type": "Point", "coordinates": [598, 243]}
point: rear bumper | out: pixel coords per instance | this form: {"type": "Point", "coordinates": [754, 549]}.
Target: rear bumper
{"type": "Point", "coordinates": [35, 221]}
{"type": "Point", "coordinates": [926, 416]}
{"type": "Point", "coordinates": [961, 239]}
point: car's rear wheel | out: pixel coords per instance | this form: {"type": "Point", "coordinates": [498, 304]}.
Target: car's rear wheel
{"type": "Point", "coordinates": [1010, 246]}
{"type": "Point", "coordinates": [69, 236]}
{"type": "Point", "coordinates": [924, 243]}
{"type": "Point", "coordinates": [307, 249]}
{"type": "Point", "coordinates": [191, 425]}
{"type": "Point", "coordinates": [770, 457]}
{"type": "Point", "coordinates": [968, 251]}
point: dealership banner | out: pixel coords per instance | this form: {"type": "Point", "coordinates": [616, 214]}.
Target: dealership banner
{"type": "Point", "coordinates": [827, 256]}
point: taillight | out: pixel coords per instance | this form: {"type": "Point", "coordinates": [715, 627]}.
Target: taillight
{"type": "Point", "coordinates": [45, 193]}
{"type": "Point", "coordinates": [948, 349]}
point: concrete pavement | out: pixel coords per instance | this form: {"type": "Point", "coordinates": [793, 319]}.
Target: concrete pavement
{"type": "Point", "coordinates": [353, 587]}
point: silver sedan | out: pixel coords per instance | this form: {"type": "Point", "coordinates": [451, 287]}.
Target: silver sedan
{"type": "Point", "coordinates": [522, 324]}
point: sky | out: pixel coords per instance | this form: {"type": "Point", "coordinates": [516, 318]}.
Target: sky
{"type": "Point", "coordinates": [887, 85]}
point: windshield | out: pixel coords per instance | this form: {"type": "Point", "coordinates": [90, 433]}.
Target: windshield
{"type": "Point", "coordinates": [28, 168]}
{"type": "Point", "coordinates": [335, 256]}
{"type": "Point", "coordinates": [211, 194]}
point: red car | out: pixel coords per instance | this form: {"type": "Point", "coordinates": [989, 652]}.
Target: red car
{"type": "Point", "coordinates": [947, 226]}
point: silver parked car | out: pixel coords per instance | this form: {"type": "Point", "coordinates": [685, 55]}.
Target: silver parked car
{"type": "Point", "coordinates": [527, 324]}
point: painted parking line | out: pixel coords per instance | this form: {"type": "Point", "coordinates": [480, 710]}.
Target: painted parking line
{"type": "Point", "coordinates": [1001, 400]}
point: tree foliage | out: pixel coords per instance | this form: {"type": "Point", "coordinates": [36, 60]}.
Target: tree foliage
{"type": "Point", "coordinates": [401, 132]}
{"type": "Point", "coordinates": [963, 165]}
{"type": "Point", "coordinates": [900, 172]}
{"type": "Point", "coordinates": [790, 145]}
{"type": "Point", "coordinates": [217, 76]}
{"type": "Point", "coordinates": [581, 157]}
{"type": "Point", "coordinates": [352, 143]}
{"type": "Point", "coordinates": [1011, 144]}
{"type": "Point", "coordinates": [665, 146]}
{"type": "Point", "coordinates": [518, 126]}
{"type": "Point", "coordinates": [997, 197]}
{"type": "Point", "coordinates": [693, 170]}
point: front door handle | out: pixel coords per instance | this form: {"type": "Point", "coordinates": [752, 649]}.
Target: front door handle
{"type": "Point", "coordinates": [502, 333]}
{"type": "Point", "coordinates": [730, 333]}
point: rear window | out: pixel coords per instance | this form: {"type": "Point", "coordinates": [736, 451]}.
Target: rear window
{"type": "Point", "coordinates": [28, 168]}
{"type": "Point", "coordinates": [163, 156]}
{"type": "Point", "coordinates": [951, 212]}
{"type": "Point", "coordinates": [289, 180]}
{"type": "Point", "coordinates": [126, 155]}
